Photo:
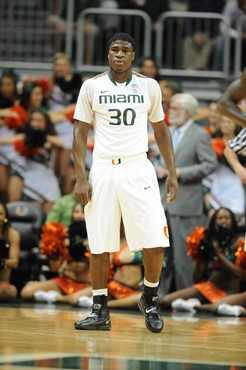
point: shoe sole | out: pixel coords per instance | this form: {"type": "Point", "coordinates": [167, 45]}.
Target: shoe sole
{"type": "Point", "coordinates": [146, 323]}
{"type": "Point", "coordinates": [103, 327]}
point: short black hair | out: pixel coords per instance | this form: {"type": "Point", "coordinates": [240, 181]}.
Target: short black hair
{"type": "Point", "coordinates": [122, 37]}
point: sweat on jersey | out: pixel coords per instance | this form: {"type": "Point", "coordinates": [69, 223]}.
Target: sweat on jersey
{"type": "Point", "coordinates": [119, 113]}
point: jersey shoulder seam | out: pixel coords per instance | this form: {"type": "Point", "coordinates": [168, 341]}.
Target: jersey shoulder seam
{"type": "Point", "coordinates": [100, 75]}
{"type": "Point", "coordinates": [139, 74]}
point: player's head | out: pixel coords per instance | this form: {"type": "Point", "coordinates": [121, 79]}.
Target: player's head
{"type": "Point", "coordinates": [121, 52]}
{"type": "Point", "coordinates": [122, 37]}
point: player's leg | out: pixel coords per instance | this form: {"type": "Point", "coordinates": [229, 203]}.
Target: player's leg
{"type": "Point", "coordinates": [144, 221]}
{"type": "Point", "coordinates": [103, 217]}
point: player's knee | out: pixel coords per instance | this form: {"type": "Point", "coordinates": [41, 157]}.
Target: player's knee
{"type": "Point", "coordinates": [26, 292]}
{"type": "Point", "coordinates": [8, 292]}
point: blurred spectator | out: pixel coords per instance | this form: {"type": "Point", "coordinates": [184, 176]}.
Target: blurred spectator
{"type": "Point", "coordinates": [194, 159]}
{"type": "Point", "coordinates": [149, 68]}
{"type": "Point", "coordinates": [9, 254]}
{"type": "Point", "coordinates": [66, 85]}
{"type": "Point", "coordinates": [198, 45]}
{"type": "Point", "coordinates": [218, 271]}
{"type": "Point", "coordinates": [233, 10]}
{"type": "Point", "coordinates": [62, 210]}
{"type": "Point", "coordinates": [168, 89]}
{"type": "Point", "coordinates": [214, 119]}
{"type": "Point", "coordinates": [57, 20]}
{"type": "Point", "coordinates": [208, 6]}
{"type": "Point", "coordinates": [8, 89]}
{"type": "Point", "coordinates": [153, 10]}
{"type": "Point", "coordinates": [35, 144]}
{"type": "Point", "coordinates": [67, 253]}
{"type": "Point", "coordinates": [197, 51]}
{"type": "Point", "coordinates": [223, 187]}
{"type": "Point", "coordinates": [109, 24]}
{"type": "Point", "coordinates": [9, 115]}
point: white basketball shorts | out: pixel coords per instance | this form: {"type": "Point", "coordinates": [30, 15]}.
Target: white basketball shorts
{"type": "Point", "coordinates": [127, 188]}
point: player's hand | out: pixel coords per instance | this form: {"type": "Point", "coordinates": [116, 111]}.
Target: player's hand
{"type": "Point", "coordinates": [172, 188]}
{"type": "Point", "coordinates": [83, 191]}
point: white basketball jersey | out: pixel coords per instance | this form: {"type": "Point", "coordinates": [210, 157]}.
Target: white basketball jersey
{"type": "Point", "coordinates": [119, 113]}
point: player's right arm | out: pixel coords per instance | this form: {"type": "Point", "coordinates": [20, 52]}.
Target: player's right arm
{"type": "Point", "coordinates": [83, 117]}
{"type": "Point", "coordinates": [83, 188]}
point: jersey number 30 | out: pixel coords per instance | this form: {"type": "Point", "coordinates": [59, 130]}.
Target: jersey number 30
{"type": "Point", "coordinates": [127, 116]}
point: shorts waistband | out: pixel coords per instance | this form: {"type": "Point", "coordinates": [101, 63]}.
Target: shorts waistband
{"type": "Point", "coordinates": [119, 160]}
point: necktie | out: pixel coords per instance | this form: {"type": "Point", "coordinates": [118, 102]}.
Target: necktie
{"type": "Point", "coordinates": [176, 139]}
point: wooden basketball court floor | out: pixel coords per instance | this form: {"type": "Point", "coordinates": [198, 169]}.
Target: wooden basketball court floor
{"type": "Point", "coordinates": [41, 337]}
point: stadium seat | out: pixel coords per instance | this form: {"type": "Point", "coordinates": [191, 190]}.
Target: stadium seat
{"type": "Point", "coordinates": [28, 219]}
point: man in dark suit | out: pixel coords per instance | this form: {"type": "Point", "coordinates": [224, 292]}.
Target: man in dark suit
{"type": "Point", "coordinates": [194, 159]}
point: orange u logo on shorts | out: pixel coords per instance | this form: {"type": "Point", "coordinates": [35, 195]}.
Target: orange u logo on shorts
{"type": "Point", "coordinates": [118, 161]}
{"type": "Point", "coordinates": [165, 229]}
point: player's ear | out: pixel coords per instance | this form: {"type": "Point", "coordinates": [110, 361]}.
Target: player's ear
{"type": "Point", "coordinates": [133, 55]}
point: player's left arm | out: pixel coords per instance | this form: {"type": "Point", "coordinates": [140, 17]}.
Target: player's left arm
{"type": "Point", "coordinates": [164, 142]}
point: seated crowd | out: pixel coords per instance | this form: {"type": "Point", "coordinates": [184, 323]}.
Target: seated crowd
{"type": "Point", "coordinates": [205, 268]}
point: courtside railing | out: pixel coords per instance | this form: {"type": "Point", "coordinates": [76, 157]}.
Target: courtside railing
{"type": "Point", "coordinates": [186, 44]}
{"type": "Point", "coordinates": [27, 41]}
{"type": "Point", "coordinates": [137, 23]}
{"type": "Point", "coordinates": [241, 27]}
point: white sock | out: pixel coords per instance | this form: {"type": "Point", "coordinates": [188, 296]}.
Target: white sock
{"type": "Point", "coordinates": [100, 292]}
{"type": "Point", "coordinates": [84, 301]}
{"type": "Point", "coordinates": [193, 302]}
{"type": "Point", "coordinates": [182, 305]}
{"type": "Point", "coordinates": [40, 296]}
{"type": "Point", "coordinates": [228, 310]}
{"type": "Point", "coordinates": [52, 295]}
{"type": "Point", "coordinates": [149, 284]}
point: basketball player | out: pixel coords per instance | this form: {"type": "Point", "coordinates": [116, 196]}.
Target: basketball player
{"type": "Point", "coordinates": [122, 180]}
{"type": "Point", "coordinates": [227, 105]}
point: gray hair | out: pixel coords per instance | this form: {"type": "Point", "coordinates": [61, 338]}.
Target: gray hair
{"type": "Point", "coordinates": [188, 102]}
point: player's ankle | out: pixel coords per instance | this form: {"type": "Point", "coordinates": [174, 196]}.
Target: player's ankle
{"type": "Point", "coordinates": [100, 299]}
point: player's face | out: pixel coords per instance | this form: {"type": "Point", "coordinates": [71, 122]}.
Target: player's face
{"type": "Point", "coordinates": [120, 55]}
{"type": "Point", "coordinates": [223, 218]}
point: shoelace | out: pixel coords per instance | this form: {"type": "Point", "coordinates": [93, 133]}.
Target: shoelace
{"type": "Point", "coordinates": [95, 312]}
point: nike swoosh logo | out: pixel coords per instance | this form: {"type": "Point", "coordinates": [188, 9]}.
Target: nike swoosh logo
{"type": "Point", "coordinates": [147, 187]}
{"type": "Point", "coordinates": [102, 92]}
{"type": "Point", "coordinates": [107, 322]}
{"type": "Point", "coordinates": [150, 309]}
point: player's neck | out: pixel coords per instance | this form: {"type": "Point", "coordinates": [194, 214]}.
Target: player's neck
{"type": "Point", "coordinates": [120, 77]}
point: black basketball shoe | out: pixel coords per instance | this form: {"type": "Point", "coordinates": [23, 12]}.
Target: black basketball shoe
{"type": "Point", "coordinates": [99, 319]}
{"type": "Point", "coordinates": [153, 319]}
